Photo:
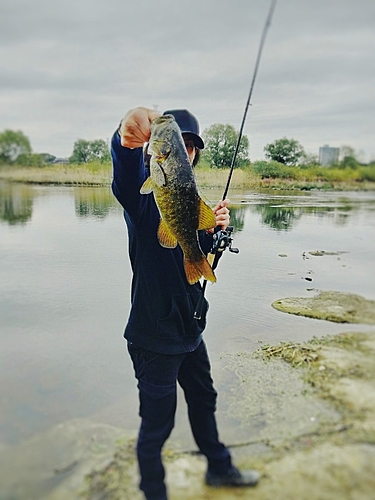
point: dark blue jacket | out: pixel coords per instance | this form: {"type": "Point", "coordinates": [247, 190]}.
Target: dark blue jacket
{"type": "Point", "coordinates": [162, 301]}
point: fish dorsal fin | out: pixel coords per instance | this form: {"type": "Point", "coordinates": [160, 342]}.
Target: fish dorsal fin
{"type": "Point", "coordinates": [165, 237]}
{"type": "Point", "coordinates": [148, 186]}
{"type": "Point", "coordinates": [206, 216]}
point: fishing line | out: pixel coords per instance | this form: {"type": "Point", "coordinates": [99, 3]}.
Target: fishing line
{"type": "Point", "coordinates": [260, 50]}
{"type": "Point", "coordinates": [223, 239]}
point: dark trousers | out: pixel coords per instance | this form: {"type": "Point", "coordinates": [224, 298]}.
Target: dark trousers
{"type": "Point", "coordinates": [157, 375]}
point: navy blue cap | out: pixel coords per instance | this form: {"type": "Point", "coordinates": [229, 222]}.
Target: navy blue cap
{"type": "Point", "coordinates": [188, 124]}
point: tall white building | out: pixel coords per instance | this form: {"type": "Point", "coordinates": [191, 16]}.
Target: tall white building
{"type": "Point", "coordinates": [328, 155]}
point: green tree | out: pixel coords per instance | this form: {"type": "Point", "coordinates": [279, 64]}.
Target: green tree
{"type": "Point", "coordinates": [349, 158]}
{"type": "Point", "coordinates": [35, 159]}
{"type": "Point", "coordinates": [88, 151]}
{"type": "Point", "coordinates": [48, 158]}
{"type": "Point", "coordinates": [286, 151]}
{"type": "Point", "coordinates": [30, 160]}
{"type": "Point", "coordinates": [81, 152]}
{"type": "Point", "coordinates": [100, 151]}
{"type": "Point", "coordinates": [309, 159]}
{"type": "Point", "coordinates": [12, 145]}
{"type": "Point", "coordinates": [271, 169]}
{"type": "Point", "coordinates": [220, 143]}
{"type": "Point", "coordinates": [349, 162]}
{"type": "Point", "coordinates": [346, 150]}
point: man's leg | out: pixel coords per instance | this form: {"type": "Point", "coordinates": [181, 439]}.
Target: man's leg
{"type": "Point", "coordinates": [157, 375]}
{"type": "Point", "coordinates": [195, 379]}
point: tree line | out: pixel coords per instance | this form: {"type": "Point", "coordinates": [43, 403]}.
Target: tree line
{"type": "Point", "coordinates": [15, 149]}
{"type": "Point", "coordinates": [220, 143]}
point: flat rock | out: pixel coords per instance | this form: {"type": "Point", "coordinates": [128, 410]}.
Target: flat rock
{"type": "Point", "coordinates": [339, 307]}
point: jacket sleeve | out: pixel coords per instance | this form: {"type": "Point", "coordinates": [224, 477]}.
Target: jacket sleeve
{"type": "Point", "coordinates": [129, 173]}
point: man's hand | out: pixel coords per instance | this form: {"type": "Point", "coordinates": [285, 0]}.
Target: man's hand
{"type": "Point", "coordinates": [135, 127]}
{"type": "Point", "coordinates": [221, 212]}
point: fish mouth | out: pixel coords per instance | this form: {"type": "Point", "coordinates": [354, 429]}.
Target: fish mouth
{"type": "Point", "coordinates": [162, 119]}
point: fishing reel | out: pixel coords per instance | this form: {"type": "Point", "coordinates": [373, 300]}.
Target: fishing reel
{"type": "Point", "coordinates": [222, 240]}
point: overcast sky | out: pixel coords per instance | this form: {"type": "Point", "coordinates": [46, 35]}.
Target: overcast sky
{"type": "Point", "coordinates": [72, 69]}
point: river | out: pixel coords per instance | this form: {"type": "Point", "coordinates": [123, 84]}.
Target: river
{"type": "Point", "coordinates": [65, 288]}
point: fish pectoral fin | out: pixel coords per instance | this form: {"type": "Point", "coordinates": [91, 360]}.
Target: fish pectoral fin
{"type": "Point", "coordinates": [194, 270]}
{"type": "Point", "coordinates": [206, 219]}
{"type": "Point", "coordinates": [165, 237]}
{"type": "Point", "coordinates": [147, 186]}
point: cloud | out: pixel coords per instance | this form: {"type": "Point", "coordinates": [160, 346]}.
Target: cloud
{"type": "Point", "coordinates": [71, 70]}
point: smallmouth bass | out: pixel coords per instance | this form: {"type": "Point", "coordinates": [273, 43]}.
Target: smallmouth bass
{"type": "Point", "coordinates": [182, 210]}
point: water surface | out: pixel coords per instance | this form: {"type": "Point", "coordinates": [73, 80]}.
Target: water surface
{"type": "Point", "coordinates": [65, 288]}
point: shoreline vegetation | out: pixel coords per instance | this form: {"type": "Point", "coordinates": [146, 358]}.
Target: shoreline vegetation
{"type": "Point", "coordinates": [262, 174]}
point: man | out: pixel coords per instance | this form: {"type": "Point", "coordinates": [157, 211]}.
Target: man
{"type": "Point", "coordinates": [164, 340]}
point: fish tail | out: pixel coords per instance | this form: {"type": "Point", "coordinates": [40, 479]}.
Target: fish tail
{"type": "Point", "coordinates": [194, 270]}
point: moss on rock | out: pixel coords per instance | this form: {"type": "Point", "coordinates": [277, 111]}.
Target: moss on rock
{"type": "Point", "coordinates": [332, 306]}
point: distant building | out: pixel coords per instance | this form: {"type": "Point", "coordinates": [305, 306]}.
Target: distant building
{"type": "Point", "coordinates": [328, 155]}
{"type": "Point", "coordinates": [61, 161]}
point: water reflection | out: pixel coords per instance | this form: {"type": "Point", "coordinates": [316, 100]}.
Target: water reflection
{"type": "Point", "coordinates": [279, 218]}
{"type": "Point", "coordinates": [237, 217]}
{"type": "Point", "coordinates": [16, 203]}
{"type": "Point", "coordinates": [93, 202]}
{"type": "Point", "coordinates": [283, 218]}
{"type": "Point", "coordinates": [280, 213]}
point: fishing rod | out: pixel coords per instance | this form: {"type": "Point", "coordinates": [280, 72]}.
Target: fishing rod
{"type": "Point", "coordinates": [222, 239]}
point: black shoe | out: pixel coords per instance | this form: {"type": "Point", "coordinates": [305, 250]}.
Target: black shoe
{"type": "Point", "coordinates": [233, 478]}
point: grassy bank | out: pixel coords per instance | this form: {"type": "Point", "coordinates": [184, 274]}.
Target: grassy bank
{"type": "Point", "coordinates": [90, 174]}
{"type": "Point", "coordinates": [259, 175]}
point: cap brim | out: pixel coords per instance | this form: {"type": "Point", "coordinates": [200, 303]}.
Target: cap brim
{"type": "Point", "coordinates": [198, 141]}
